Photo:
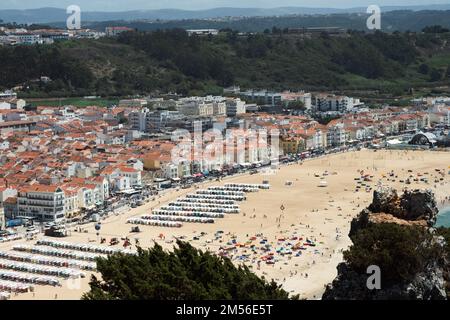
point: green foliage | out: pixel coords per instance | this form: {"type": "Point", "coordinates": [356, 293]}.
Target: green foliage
{"type": "Point", "coordinates": [184, 274]}
{"type": "Point", "coordinates": [435, 29]}
{"type": "Point", "coordinates": [171, 61]}
{"type": "Point", "coordinates": [445, 232]}
{"type": "Point", "coordinates": [23, 63]}
{"type": "Point", "coordinates": [296, 105]}
{"type": "Point", "coordinates": [400, 251]}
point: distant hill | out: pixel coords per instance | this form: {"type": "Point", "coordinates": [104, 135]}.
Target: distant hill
{"type": "Point", "coordinates": [48, 15]}
{"type": "Point", "coordinates": [391, 21]}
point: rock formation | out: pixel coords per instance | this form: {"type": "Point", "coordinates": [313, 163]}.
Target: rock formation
{"type": "Point", "coordinates": [413, 208]}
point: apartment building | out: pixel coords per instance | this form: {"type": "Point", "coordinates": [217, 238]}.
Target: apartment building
{"type": "Point", "coordinates": [235, 107]}
{"type": "Point", "coordinates": [336, 135]}
{"type": "Point", "coordinates": [220, 108]}
{"type": "Point", "coordinates": [133, 175]}
{"type": "Point", "coordinates": [42, 202]}
{"type": "Point", "coordinates": [146, 121]}
{"type": "Point", "coordinates": [196, 108]}
{"type": "Point", "coordinates": [292, 144]}
{"type": "Point", "coordinates": [327, 102]}
{"type": "Point", "coordinates": [158, 120]}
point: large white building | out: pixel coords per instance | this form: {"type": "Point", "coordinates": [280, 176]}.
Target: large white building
{"type": "Point", "coordinates": [42, 202]}
{"type": "Point", "coordinates": [327, 102]}
{"type": "Point", "coordinates": [147, 121]}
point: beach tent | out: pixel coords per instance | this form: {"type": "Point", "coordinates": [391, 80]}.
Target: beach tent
{"type": "Point", "coordinates": [323, 183]}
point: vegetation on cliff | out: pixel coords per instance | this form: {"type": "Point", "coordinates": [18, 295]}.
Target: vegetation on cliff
{"type": "Point", "coordinates": [400, 251]}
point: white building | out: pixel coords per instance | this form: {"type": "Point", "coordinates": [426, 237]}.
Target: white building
{"type": "Point", "coordinates": [133, 175]}
{"type": "Point", "coordinates": [43, 202]}
{"type": "Point", "coordinates": [327, 102]}
{"type": "Point", "coordinates": [235, 107]}
{"type": "Point", "coordinates": [202, 32]}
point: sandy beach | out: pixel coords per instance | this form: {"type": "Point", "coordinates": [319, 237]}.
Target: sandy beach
{"type": "Point", "coordinates": [321, 215]}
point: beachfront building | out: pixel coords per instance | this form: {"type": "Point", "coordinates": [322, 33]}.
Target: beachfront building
{"type": "Point", "coordinates": [292, 144]}
{"type": "Point", "coordinates": [2, 218]}
{"type": "Point", "coordinates": [71, 202]}
{"type": "Point", "coordinates": [336, 135]}
{"type": "Point", "coordinates": [133, 175]}
{"type": "Point", "coordinates": [42, 202]}
{"type": "Point", "coordinates": [314, 139]}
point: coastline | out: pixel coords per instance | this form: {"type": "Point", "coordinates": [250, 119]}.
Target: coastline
{"type": "Point", "coordinates": [320, 214]}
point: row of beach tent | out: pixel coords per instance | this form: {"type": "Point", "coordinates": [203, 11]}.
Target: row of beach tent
{"type": "Point", "coordinates": [40, 269]}
{"type": "Point", "coordinates": [80, 247]}
{"type": "Point", "coordinates": [241, 189]}
{"type": "Point", "coordinates": [207, 201]}
{"type": "Point", "coordinates": [54, 252]}
{"type": "Point", "coordinates": [15, 286]}
{"type": "Point", "coordinates": [45, 260]}
{"type": "Point", "coordinates": [180, 203]}
{"type": "Point", "coordinates": [10, 237]}
{"type": "Point", "coordinates": [178, 213]}
{"type": "Point", "coordinates": [155, 223]}
{"type": "Point", "coordinates": [263, 186]}
{"type": "Point", "coordinates": [222, 193]}
{"type": "Point", "coordinates": [4, 295]}
{"type": "Point", "coordinates": [178, 218]}
{"type": "Point", "coordinates": [200, 209]}
{"type": "Point", "coordinates": [29, 278]}
{"type": "Point", "coordinates": [215, 197]}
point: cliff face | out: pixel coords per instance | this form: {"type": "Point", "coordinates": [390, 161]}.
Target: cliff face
{"type": "Point", "coordinates": [413, 208]}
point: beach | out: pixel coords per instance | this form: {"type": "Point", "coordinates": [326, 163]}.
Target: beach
{"type": "Point", "coordinates": [298, 207]}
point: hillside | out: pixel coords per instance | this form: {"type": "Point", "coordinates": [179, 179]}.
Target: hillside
{"type": "Point", "coordinates": [137, 63]}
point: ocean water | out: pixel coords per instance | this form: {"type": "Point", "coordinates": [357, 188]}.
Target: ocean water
{"type": "Point", "coordinates": [443, 218]}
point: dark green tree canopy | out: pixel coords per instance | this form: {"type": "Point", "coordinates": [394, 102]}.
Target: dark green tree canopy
{"type": "Point", "coordinates": [184, 274]}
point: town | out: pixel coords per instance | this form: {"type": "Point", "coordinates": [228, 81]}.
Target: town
{"type": "Point", "coordinates": [26, 36]}
{"type": "Point", "coordinates": [65, 164]}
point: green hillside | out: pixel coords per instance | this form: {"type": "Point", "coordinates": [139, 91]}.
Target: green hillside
{"type": "Point", "coordinates": [171, 61]}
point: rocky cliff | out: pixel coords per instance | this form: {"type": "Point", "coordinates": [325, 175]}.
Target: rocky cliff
{"type": "Point", "coordinates": [412, 209]}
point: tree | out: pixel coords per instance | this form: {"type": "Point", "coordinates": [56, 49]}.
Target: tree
{"type": "Point", "coordinates": [434, 29]}
{"type": "Point", "coordinates": [435, 75]}
{"type": "Point", "coordinates": [296, 105]}
{"type": "Point", "coordinates": [424, 69]}
{"type": "Point", "coordinates": [184, 274]}
{"type": "Point", "coordinates": [400, 251]}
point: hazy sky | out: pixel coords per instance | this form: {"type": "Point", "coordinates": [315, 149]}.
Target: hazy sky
{"type": "Point", "coordinates": [120, 5]}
